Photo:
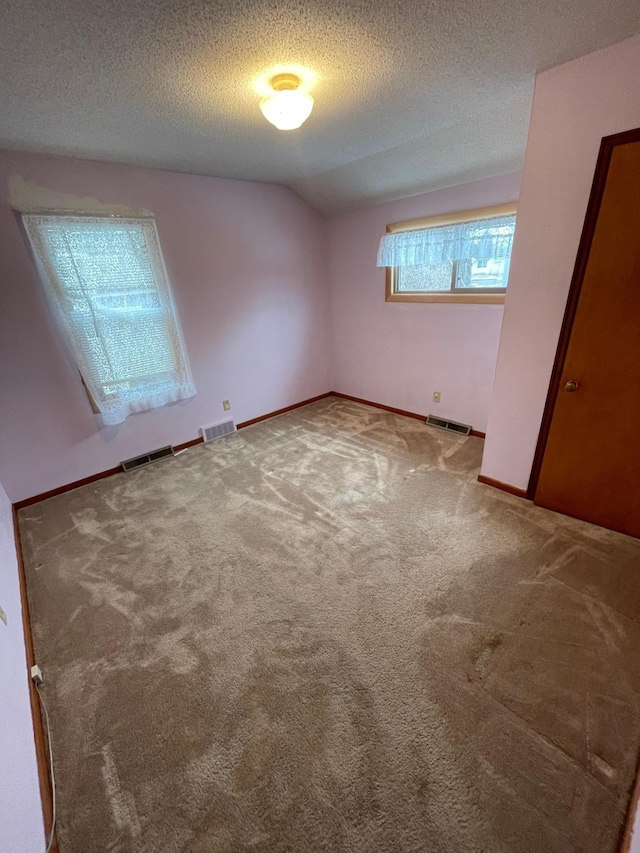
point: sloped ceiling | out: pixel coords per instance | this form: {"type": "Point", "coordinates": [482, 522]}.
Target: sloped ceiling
{"type": "Point", "coordinates": [410, 95]}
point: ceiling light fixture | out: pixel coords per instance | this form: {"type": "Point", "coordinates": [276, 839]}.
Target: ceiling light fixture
{"type": "Point", "coordinates": [289, 105]}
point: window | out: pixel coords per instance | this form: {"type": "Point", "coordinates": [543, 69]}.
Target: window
{"type": "Point", "coordinates": [462, 257]}
{"type": "Point", "coordinates": [107, 286]}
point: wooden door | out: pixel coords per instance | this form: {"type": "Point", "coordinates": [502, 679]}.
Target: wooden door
{"type": "Point", "coordinates": [589, 465]}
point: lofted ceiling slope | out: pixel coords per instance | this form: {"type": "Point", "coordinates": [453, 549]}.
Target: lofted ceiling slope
{"type": "Point", "coordinates": [410, 96]}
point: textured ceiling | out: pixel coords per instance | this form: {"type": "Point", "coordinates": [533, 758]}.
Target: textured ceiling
{"type": "Point", "coordinates": [409, 95]}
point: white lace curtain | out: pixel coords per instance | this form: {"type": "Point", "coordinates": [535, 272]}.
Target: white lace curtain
{"type": "Point", "coordinates": [107, 286]}
{"type": "Point", "coordinates": [479, 240]}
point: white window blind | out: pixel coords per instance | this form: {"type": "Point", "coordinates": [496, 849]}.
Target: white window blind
{"type": "Point", "coordinates": [108, 288]}
{"type": "Point", "coordinates": [477, 240]}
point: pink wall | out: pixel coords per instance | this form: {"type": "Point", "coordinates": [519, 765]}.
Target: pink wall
{"type": "Point", "coordinates": [574, 106]}
{"type": "Point", "coordinates": [400, 353]}
{"type": "Point", "coordinates": [635, 835]}
{"type": "Point", "coordinates": [247, 263]}
{"type": "Point", "coordinates": [21, 829]}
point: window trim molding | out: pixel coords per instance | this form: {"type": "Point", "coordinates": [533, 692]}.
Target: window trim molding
{"type": "Point", "coordinates": [392, 295]}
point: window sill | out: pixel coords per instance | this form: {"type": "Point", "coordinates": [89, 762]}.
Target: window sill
{"type": "Point", "coordinates": [460, 298]}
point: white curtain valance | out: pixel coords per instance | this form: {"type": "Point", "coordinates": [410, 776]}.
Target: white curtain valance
{"type": "Point", "coordinates": [108, 290]}
{"type": "Point", "coordinates": [480, 239]}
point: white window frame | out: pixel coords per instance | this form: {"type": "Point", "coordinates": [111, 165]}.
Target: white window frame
{"type": "Point", "coordinates": [484, 296]}
{"type": "Point", "coordinates": [160, 389]}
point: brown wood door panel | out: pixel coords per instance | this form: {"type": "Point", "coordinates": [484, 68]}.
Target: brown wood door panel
{"type": "Point", "coordinates": [591, 463]}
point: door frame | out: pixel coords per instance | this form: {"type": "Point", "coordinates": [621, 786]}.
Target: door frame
{"type": "Point", "coordinates": [607, 145]}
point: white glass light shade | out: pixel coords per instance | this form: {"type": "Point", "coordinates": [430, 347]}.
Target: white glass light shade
{"type": "Point", "coordinates": [287, 109]}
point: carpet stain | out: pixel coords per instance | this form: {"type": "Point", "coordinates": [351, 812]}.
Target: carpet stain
{"type": "Point", "coordinates": [483, 658]}
{"type": "Point", "coordinates": [322, 635]}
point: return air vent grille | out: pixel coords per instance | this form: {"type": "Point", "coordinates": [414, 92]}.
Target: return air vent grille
{"type": "Point", "coordinates": [218, 430]}
{"type": "Point", "coordinates": [452, 426]}
{"type": "Point", "coordinates": [146, 458]}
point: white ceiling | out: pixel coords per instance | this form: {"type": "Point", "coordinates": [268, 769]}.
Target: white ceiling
{"type": "Point", "coordinates": [410, 95]}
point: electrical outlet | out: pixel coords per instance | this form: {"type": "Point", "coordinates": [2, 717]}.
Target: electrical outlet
{"type": "Point", "coordinates": [436, 396]}
{"type": "Point", "coordinates": [226, 405]}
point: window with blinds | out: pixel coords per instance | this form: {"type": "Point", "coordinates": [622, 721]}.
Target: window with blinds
{"type": "Point", "coordinates": [458, 257]}
{"type": "Point", "coordinates": [106, 283]}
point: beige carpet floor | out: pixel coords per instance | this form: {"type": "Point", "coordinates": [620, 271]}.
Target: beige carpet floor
{"type": "Point", "coordinates": [322, 634]}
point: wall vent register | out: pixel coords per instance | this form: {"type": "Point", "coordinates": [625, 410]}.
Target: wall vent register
{"type": "Point", "coordinates": [452, 426]}
{"type": "Point", "coordinates": [209, 433]}
{"type": "Point", "coordinates": [146, 458]}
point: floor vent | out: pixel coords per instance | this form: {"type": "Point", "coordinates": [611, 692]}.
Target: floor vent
{"type": "Point", "coordinates": [463, 429]}
{"type": "Point", "coordinates": [146, 458]}
{"type": "Point", "coordinates": [217, 430]}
